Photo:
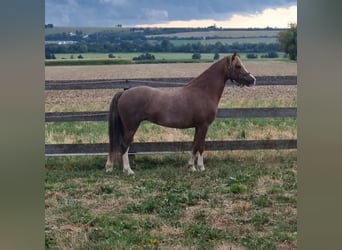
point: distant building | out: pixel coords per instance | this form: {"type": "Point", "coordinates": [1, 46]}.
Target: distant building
{"type": "Point", "coordinates": [61, 42]}
{"type": "Point", "coordinates": [213, 27]}
{"type": "Point", "coordinates": [49, 26]}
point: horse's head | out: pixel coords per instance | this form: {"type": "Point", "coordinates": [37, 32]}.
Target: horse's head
{"type": "Point", "coordinates": [237, 72]}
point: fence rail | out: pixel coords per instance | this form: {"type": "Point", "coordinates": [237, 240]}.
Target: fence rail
{"type": "Point", "coordinates": [222, 113]}
{"type": "Point", "coordinates": [164, 147]}
{"type": "Point", "coordinates": [168, 147]}
{"type": "Point", "coordinates": [153, 82]}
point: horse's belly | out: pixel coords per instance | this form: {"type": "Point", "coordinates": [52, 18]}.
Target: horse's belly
{"type": "Point", "coordinates": [175, 124]}
{"type": "Point", "coordinates": [177, 110]}
{"type": "Point", "coordinates": [172, 119]}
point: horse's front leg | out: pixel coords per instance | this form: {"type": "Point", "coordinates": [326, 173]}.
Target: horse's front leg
{"type": "Point", "coordinates": [191, 163]}
{"type": "Point", "coordinates": [110, 162]}
{"type": "Point", "coordinates": [198, 148]}
{"type": "Point", "coordinates": [126, 167]}
{"type": "Point", "coordinates": [200, 163]}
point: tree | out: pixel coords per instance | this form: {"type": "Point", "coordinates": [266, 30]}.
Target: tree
{"type": "Point", "coordinates": [251, 56]}
{"type": "Point", "coordinates": [216, 56]}
{"type": "Point", "coordinates": [166, 46]}
{"type": "Point", "coordinates": [196, 56]}
{"type": "Point", "coordinates": [146, 56]}
{"type": "Point", "coordinates": [288, 41]}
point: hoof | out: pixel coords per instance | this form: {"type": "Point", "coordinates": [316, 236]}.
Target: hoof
{"type": "Point", "coordinates": [109, 169]}
{"type": "Point", "coordinates": [201, 168]}
{"type": "Point", "coordinates": [128, 172]}
{"type": "Point", "coordinates": [192, 168]}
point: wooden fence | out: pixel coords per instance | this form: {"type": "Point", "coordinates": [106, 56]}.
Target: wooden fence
{"type": "Point", "coordinates": [157, 147]}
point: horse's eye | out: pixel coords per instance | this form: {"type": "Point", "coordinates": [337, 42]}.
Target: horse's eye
{"type": "Point", "coordinates": [238, 66]}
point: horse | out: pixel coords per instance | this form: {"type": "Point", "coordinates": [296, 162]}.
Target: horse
{"type": "Point", "coordinates": [193, 105]}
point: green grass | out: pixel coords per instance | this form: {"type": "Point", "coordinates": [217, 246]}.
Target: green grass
{"type": "Point", "coordinates": [178, 42]}
{"type": "Point", "coordinates": [76, 62]}
{"type": "Point", "coordinates": [235, 202]}
{"type": "Point", "coordinates": [85, 30]}
{"type": "Point", "coordinates": [130, 56]}
{"type": "Point", "coordinates": [126, 58]}
{"type": "Point", "coordinates": [158, 56]}
{"type": "Point", "coordinates": [220, 129]}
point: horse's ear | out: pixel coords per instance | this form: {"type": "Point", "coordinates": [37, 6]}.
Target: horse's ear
{"type": "Point", "coordinates": [234, 55]}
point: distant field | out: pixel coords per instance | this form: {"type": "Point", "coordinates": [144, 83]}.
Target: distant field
{"type": "Point", "coordinates": [158, 56]}
{"type": "Point", "coordinates": [212, 33]}
{"type": "Point", "coordinates": [206, 37]}
{"type": "Point", "coordinates": [130, 56]}
{"type": "Point", "coordinates": [178, 42]}
{"type": "Point", "coordinates": [130, 71]}
{"type": "Point", "coordinates": [225, 37]}
{"type": "Point", "coordinates": [222, 33]}
{"type": "Point", "coordinates": [85, 30]}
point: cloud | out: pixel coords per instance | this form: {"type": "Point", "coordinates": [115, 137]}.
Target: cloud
{"type": "Point", "coordinates": [114, 2]}
{"type": "Point", "coordinates": [278, 17]}
{"type": "Point", "coordinates": [153, 14]}
{"type": "Point", "coordinates": [135, 12]}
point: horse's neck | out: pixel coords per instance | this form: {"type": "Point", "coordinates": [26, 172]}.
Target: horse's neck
{"type": "Point", "coordinates": [212, 80]}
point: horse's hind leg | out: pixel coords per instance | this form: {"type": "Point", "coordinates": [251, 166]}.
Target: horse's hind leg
{"type": "Point", "coordinates": [191, 163]}
{"type": "Point", "coordinates": [127, 140]}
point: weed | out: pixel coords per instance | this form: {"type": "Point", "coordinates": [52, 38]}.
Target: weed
{"type": "Point", "coordinates": [260, 219]}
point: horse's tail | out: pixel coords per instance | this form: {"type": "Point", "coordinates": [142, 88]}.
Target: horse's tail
{"type": "Point", "coordinates": [115, 127]}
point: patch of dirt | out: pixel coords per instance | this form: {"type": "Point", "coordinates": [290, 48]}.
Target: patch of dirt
{"type": "Point", "coordinates": [167, 230]}
{"type": "Point", "coordinates": [242, 206]}
{"type": "Point", "coordinates": [265, 184]}
{"type": "Point", "coordinates": [227, 246]}
{"type": "Point", "coordinates": [109, 205]}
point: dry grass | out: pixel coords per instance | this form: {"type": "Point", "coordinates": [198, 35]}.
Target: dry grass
{"type": "Point", "coordinates": [96, 100]}
{"type": "Point", "coordinates": [266, 68]}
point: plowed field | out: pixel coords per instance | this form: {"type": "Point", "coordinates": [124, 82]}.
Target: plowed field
{"type": "Point", "coordinates": [83, 100]}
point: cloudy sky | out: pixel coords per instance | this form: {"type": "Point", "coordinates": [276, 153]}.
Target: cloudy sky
{"type": "Point", "coordinates": [171, 13]}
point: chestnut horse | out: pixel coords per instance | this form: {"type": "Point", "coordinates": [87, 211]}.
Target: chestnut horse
{"type": "Point", "coordinates": [192, 106]}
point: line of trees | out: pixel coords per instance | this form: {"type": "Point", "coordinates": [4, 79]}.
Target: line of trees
{"type": "Point", "coordinates": [163, 46]}
{"type": "Point", "coordinates": [288, 41]}
{"type": "Point", "coordinates": [131, 41]}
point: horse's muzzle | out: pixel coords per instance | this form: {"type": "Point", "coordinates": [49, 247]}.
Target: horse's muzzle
{"type": "Point", "coordinates": [248, 81]}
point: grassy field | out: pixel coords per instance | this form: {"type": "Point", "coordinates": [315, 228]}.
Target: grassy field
{"type": "Point", "coordinates": [85, 30]}
{"type": "Point", "coordinates": [130, 56]}
{"type": "Point", "coordinates": [199, 34]}
{"type": "Point", "coordinates": [244, 199]}
{"type": "Point", "coordinates": [221, 33]}
{"type": "Point", "coordinates": [158, 56]}
{"type": "Point", "coordinates": [232, 40]}
{"type": "Point", "coordinates": [91, 59]}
